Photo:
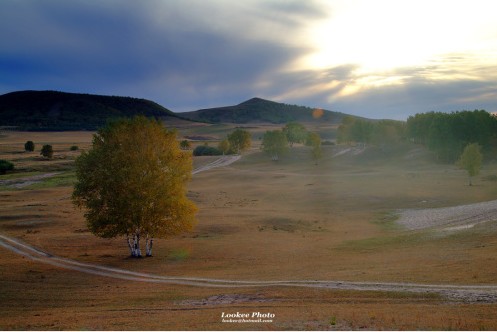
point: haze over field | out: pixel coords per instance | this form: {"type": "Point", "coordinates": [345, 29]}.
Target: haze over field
{"type": "Point", "coordinates": [378, 59]}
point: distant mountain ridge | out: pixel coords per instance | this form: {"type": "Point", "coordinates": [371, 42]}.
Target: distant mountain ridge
{"type": "Point", "coordinates": [58, 111]}
{"type": "Point", "coordinates": [260, 110]}
{"type": "Point", "coordinates": [54, 110]}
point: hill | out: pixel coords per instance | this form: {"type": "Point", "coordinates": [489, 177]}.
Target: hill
{"type": "Point", "coordinates": [53, 110]}
{"type": "Point", "coordinates": [257, 110]}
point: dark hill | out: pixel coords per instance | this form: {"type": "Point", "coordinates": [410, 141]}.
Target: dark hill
{"type": "Point", "coordinates": [257, 110]}
{"type": "Point", "coordinates": [53, 110]}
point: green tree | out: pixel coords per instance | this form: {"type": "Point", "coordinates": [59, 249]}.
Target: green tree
{"type": "Point", "coordinates": [185, 145]}
{"type": "Point", "coordinates": [5, 166]}
{"type": "Point", "coordinates": [275, 143]}
{"type": "Point", "coordinates": [470, 160]}
{"type": "Point", "coordinates": [295, 133]}
{"type": "Point", "coordinates": [29, 146]}
{"type": "Point", "coordinates": [224, 146]}
{"type": "Point", "coordinates": [47, 151]}
{"type": "Point", "coordinates": [132, 182]}
{"type": "Point", "coordinates": [314, 141]}
{"type": "Point", "coordinates": [239, 140]}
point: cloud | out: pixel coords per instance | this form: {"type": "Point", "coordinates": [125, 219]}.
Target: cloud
{"type": "Point", "coordinates": [194, 54]}
{"type": "Point", "coordinates": [169, 51]}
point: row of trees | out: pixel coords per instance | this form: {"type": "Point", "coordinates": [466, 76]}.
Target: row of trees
{"type": "Point", "coordinates": [277, 142]}
{"type": "Point", "coordinates": [382, 132]}
{"type": "Point", "coordinates": [446, 134]}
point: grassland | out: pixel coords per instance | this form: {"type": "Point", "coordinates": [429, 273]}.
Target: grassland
{"type": "Point", "coordinates": [257, 220]}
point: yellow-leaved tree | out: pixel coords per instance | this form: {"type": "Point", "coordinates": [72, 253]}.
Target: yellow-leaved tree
{"type": "Point", "coordinates": [132, 183]}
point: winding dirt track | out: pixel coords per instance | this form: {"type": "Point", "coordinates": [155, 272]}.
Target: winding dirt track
{"type": "Point", "coordinates": [221, 162]}
{"type": "Point", "coordinates": [465, 293]}
{"type": "Point", "coordinates": [452, 292]}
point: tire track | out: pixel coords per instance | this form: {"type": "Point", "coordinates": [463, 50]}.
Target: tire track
{"type": "Point", "coordinates": [221, 162]}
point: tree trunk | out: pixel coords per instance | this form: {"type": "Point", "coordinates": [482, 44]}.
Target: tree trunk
{"type": "Point", "coordinates": [148, 245]}
{"type": "Point", "coordinates": [470, 181]}
{"type": "Point", "coordinates": [137, 251]}
{"type": "Point", "coordinates": [130, 246]}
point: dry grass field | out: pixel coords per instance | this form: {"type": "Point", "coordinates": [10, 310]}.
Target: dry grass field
{"type": "Point", "coordinates": [258, 220]}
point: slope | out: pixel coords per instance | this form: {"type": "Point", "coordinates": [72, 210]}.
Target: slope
{"type": "Point", "coordinates": [54, 110]}
{"type": "Point", "coordinates": [257, 110]}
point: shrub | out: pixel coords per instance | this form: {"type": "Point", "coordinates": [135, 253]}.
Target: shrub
{"type": "Point", "coordinates": [185, 145]}
{"type": "Point", "coordinates": [47, 151]}
{"type": "Point", "coordinates": [29, 146]}
{"type": "Point", "coordinates": [74, 148]}
{"type": "Point", "coordinates": [5, 166]}
{"type": "Point", "coordinates": [204, 150]}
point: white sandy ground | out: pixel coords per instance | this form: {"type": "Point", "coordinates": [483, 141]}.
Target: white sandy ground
{"type": "Point", "coordinates": [450, 218]}
{"type": "Point", "coordinates": [464, 293]}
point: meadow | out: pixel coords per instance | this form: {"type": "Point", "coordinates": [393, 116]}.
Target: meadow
{"type": "Point", "coordinates": [258, 220]}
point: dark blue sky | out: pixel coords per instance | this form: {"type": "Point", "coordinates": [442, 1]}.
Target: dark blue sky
{"type": "Point", "coordinates": [376, 59]}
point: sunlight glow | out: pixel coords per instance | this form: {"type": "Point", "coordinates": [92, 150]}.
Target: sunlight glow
{"type": "Point", "coordinates": [383, 36]}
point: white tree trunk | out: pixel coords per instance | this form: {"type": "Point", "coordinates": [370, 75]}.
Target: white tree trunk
{"type": "Point", "coordinates": [136, 246]}
{"type": "Point", "coordinates": [148, 245]}
{"type": "Point", "coordinates": [130, 246]}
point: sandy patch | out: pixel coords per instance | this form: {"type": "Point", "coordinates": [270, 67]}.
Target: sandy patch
{"type": "Point", "coordinates": [455, 217]}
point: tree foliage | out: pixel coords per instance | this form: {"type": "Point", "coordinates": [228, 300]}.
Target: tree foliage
{"type": "Point", "coordinates": [205, 150]}
{"type": "Point", "coordinates": [29, 146]}
{"type": "Point", "coordinates": [314, 141]}
{"type": "Point", "coordinates": [47, 151]}
{"type": "Point", "coordinates": [275, 143]}
{"type": "Point", "coordinates": [446, 134]}
{"type": "Point", "coordinates": [132, 182]}
{"type": "Point", "coordinates": [224, 146]}
{"type": "Point", "coordinates": [295, 133]}
{"type": "Point", "coordinates": [470, 160]}
{"type": "Point", "coordinates": [5, 166]}
{"type": "Point", "coordinates": [239, 140]}
{"type": "Point", "coordinates": [382, 133]}
{"type": "Point", "coordinates": [185, 145]}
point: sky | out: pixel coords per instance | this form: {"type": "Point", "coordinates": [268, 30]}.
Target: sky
{"type": "Point", "coordinates": [377, 59]}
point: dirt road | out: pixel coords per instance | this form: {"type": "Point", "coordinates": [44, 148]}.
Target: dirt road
{"type": "Point", "coordinates": [26, 181]}
{"type": "Point", "coordinates": [221, 162]}
{"type": "Point", "coordinates": [462, 293]}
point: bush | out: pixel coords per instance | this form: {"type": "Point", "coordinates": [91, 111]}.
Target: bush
{"type": "Point", "coordinates": [74, 148]}
{"type": "Point", "coordinates": [5, 166]}
{"type": "Point", "coordinates": [204, 150]}
{"type": "Point", "coordinates": [185, 145]}
{"type": "Point", "coordinates": [29, 146]}
{"type": "Point", "coordinates": [47, 151]}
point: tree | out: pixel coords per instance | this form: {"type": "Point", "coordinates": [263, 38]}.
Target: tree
{"type": "Point", "coordinates": [239, 140]}
{"type": "Point", "coordinates": [470, 160]}
{"type": "Point", "coordinates": [29, 146]}
{"type": "Point", "coordinates": [5, 166]}
{"type": "Point", "coordinates": [205, 150]}
{"type": "Point", "coordinates": [446, 134]}
{"type": "Point", "coordinates": [132, 183]}
{"type": "Point", "coordinates": [275, 143]}
{"type": "Point", "coordinates": [314, 141]}
{"type": "Point", "coordinates": [295, 133]}
{"type": "Point", "coordinates": [47, 151]}
{"type": "Point", "coordinates": [185, 145]}
{"type": "Point", "coordinates": [224, 146]}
